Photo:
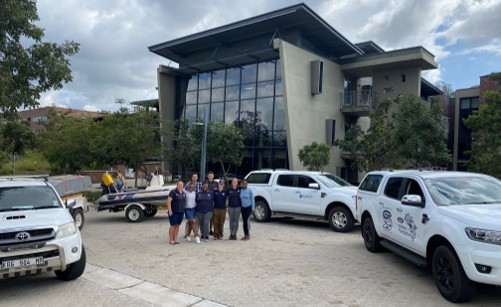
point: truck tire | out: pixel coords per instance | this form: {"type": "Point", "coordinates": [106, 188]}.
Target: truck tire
{"type": "Point", "coordinates": [262, 211]}
{"type": "Point", "coordinates": [371, 238]}
{"type": "Point", "coordinates": [73, 270]}
{"type": "Point", "coordinates": [134, 214]}
{"type": "Point", "coordinates": [340, 219]}
{"type": "Point", "coordinates": [450, 278]}
{"type": "Point", "coordinates": [78, 217]}
{"type": "Point", "coordinates": [150, 211]}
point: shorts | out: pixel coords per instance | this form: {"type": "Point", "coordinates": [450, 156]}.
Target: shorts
{"type": "Point", "coordinates": [176, 218]}
{"type": "Point", "coordinates": [189, 213]}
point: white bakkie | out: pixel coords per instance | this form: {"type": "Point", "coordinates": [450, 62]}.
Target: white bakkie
{"type": "Point", "coordinates": [447, 221]}
{"type": "Point", "coordinates": [303, 194]}
{"type": "Point", "coordinates": [37, 232]}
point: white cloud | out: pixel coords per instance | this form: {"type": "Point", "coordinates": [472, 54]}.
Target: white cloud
{"type": "Point", "coordinates": [91, 108]}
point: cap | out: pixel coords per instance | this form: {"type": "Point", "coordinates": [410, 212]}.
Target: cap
{"type": "Point", "coordinates": [221, 182]}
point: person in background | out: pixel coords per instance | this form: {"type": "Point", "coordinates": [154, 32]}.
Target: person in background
{"type": "Point", "coordinates": [189, 212]}
{"type": "Point", "coordinates": [119, 182]}
{"type": "Point", "coordinates": [212, 186]}
{"type": "Point", "coordinates": [234, 207]}
{"type": "Point", "coordinates": [176, 203]}
{"type": "Point", "coordinates": [197, 188]}
{"type": "Point", "coordinates": [205, 206]}
{"type": "Point", "coordinates": [248, 205]}
{"type": "Point", "coordinates": [219, 210]}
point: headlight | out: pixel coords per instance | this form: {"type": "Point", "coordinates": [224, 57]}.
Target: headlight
{"type": "Point", "coordinates": [66, 230]}
{"type": "Point", "coordinates": [484, 235]}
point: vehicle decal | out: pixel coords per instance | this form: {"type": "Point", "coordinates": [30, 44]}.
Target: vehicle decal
{"type": "Point", "coordinates": [408, 227]}
{"type": "Point", "coordinates": [301, 196]}
{"type": "Point", "coordinates": [388, 223]}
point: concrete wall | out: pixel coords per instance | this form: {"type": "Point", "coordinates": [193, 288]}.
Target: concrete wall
{"type": "Point", "coordinates": [461, 93]}
{"type": "Point", "coordinates": [166, 101]}
{"type": "Point", "coordinates": [389, 84]}
{"type": "Point", "coordinates": [306, 115]}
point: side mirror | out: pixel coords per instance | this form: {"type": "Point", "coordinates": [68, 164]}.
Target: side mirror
{"type": "Point", "coordinates": [70, 203]}
{"type": "Point", "coordinates": [314, 186]}
{"type": "Point", "coordinates": [413, 200]}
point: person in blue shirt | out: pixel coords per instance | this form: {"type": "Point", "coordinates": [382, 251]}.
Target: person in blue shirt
{"type": "Point", "coordinates": [219, 210]}
{"type": "Point", "coordinates": [234, 207]}
{"type": "Point", "coordinates": [248, 205]}
{"type": "Point", "coordinates": [176, 202]}
{"type": "Point", "coordinates": [205, 206]}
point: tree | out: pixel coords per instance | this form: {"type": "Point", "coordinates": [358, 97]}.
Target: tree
{"type": "Point", "coordinates": [17, 136]}
{"type": "Point", "coordinates": [485, 125]}
{"type": "Point", "coordinates": [420, 133]}
{"type": "Point", "coordinates": [315, 156]}
{"type": "Point", "coordinates": [28, 65]}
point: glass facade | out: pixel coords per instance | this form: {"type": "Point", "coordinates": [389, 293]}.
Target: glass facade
{"type": "Point", "coordinates": [466, 108]}
{"type": "Point", "coordinates": [250, 97]}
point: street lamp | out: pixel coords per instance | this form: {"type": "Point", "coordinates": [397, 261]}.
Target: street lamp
{"type": "Point", "coordinates": [204, 144]}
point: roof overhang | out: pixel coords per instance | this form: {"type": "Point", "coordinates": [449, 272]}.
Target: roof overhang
{"type": "Point", "coordinates": [428, 89]}
{"type": "Point", "coordinates": [294, 18]}
{"type": "Point", "coordinates": [364, 66]}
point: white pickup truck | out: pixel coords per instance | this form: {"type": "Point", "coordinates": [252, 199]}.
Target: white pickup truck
{"type": "Point", "coordinates": [37, 233]}
{"type": "Point", "coordinates": [447, 221]}
{"type": "Point", "coordinates": [303, 194]}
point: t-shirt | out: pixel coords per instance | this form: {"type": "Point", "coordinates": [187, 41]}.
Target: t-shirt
{"type": "Point", "coordinates": [205, 201]}
{"type": "Point", "coordinates": [191, 200]}
{"type": "Point", "coordinates": [234, 198]}
{"type": "Point", "coordinates": [212, 184]}
{"type": "Point", "coordinates": [178, 201]}
{"type": "Point", "coordinates": [220, 199]}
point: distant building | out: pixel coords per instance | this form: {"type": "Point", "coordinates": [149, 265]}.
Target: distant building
{"type": "Point", "coordinates": [286, 78]}
{"type": "Point", "coordinates": [38, 117]}
{"type": "Point", "coordinates": [466, 101]}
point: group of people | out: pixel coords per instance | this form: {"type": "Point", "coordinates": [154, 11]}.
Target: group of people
{"type": "Point", "coordinates": [205, 205]}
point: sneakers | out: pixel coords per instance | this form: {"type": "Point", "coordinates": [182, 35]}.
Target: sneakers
{"type": "Point", "coordinates": [188, 239]}
{"type": "Point", "coordinates": [206, 239]}
{"type": "Point", "coordinates": [245, 238]}
{"type": "Point", "coordinates": [233, 237]}
{"type": "Point", "coordinates": [197, 239]}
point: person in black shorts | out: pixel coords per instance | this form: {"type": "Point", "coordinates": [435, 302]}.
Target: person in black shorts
{"type": "Point", "coordinates": [176, 203]}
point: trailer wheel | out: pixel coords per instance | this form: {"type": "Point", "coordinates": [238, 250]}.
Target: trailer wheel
{"type": "Point", "coordinates": [150, 211]}
{"type": "Point", "coordinates": [134, 214]}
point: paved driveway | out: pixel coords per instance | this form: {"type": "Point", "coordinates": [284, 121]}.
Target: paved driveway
{"type": "Point", "coordinates": [286, 263]}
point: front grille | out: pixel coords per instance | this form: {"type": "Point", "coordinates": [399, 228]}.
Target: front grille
{"type": "Point", "coordinates": [36, 235]}
{"type": "Point", "coordinates": [46, 254]}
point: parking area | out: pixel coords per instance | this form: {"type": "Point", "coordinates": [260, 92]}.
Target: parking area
{"type": "Point", "coordinates": [287, 262]}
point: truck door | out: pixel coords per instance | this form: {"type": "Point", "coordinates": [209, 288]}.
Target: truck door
{"type": "Point", "coordinates": [389, 208]}
{"type": "Point", "coordinates": [282, 192]}
{"type": "Point", "coordinates": [306, 199]}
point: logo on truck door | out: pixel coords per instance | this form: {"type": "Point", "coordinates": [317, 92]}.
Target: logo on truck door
{"type": "Point", "coordinates": [387, 222]}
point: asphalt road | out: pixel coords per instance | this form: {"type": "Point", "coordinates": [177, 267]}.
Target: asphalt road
{"type": "Point", "coordinates": [286, 263]}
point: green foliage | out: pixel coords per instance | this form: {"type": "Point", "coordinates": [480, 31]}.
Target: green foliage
{"type": "Point", "coordinates": [485, 125]}
{"type": "Point", "coordinates": [4, 163]}
{"type": "Point", "coordinates": [413, 135]}
{"type": "Point", "coordinates": [17, 136]}
{"type": "Point", "coordinates": [28, 65]}
{"type": "Point", "coordinates": [92, 196]}
{"type": "Point", "coordinates": [315, 156]}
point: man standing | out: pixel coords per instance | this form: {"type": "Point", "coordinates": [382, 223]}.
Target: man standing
{"type": "Point", "coordinates": [234, 207]}
{"type": "Point", "coordinates": [248, 205]}
{"type": "Point", "coordinates": [205, 200]}
{"type": "Point", "coordinates": [219, 210]}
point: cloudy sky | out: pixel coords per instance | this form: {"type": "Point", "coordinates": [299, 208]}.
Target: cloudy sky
{"type": "Point", "coordinates": [114, 61]}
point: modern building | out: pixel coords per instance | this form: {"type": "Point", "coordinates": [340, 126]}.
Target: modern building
{"type": "Point", "coordinates": [287, 78]}
{"type": "Point", "coordinates": [39, 116]}
{"type": "Point", "coordinates": [466, 101]}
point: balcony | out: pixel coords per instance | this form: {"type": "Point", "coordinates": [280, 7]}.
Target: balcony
{"type": "Point", "coordinates": [358, 103]}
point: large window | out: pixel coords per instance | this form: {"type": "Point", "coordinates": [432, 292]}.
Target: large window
{"type": "Point", "coordinates": [467, 106]}
{"type": "Point", "coordinates": [250, 97]}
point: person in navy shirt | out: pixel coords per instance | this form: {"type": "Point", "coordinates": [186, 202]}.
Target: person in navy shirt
{"type": "Point", "coordinates": [205, 206]}
{"type": "Point", "coordinates": [219, 210]}
{"type": "Point", "coordinates": [176, 203]}
{"type": "Point", "coordinates": [234, 207]}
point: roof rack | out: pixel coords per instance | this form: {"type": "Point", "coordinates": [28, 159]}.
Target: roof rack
{"type": "Point", "coordinates": [44, 177]}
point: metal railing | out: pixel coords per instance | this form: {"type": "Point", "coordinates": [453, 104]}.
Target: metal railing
{"type": "Point", "coordinates": [359, 99]}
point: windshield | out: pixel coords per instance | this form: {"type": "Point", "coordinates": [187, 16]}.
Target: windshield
{"type": "Point", "coordinates": [28, 198]}
{"type": "Point", "coordinates": [332, 181]}
{"type": "Point", "coordinates": [464, 190]}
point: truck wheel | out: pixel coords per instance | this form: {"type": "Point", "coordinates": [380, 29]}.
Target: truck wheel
{"type": "Point", "coordinates": [150, 211]}
{"type": "Point", "coordinates": [73, 270]}
{"type": "Point", "coordinates": [371, 238]}
{"type": "Point", "coordinates": [340, 219]}
{"type": "Point", "coordinates": [134, 214]}
{"type": "Point", "coordinates": [79, 218]}
{"type": "Point", "coordinates": [262, 211]}
{"type": "Point", "coordinates": [450, 277]}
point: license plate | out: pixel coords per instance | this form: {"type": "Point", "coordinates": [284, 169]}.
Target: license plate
{"type": "Point", "coordinates": [11, 264]}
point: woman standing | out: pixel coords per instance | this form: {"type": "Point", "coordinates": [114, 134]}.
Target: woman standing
{"type": "Point", "coordinates": [234, 207]}
{"type": "Point", "coordinates": [247, 197]}
{"type": "Point", "coordinates": [205, 200]}
{"type": "Point", "coordinates": [189, 212]}
{"type": "Point", "coordinates": [176, 203]}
